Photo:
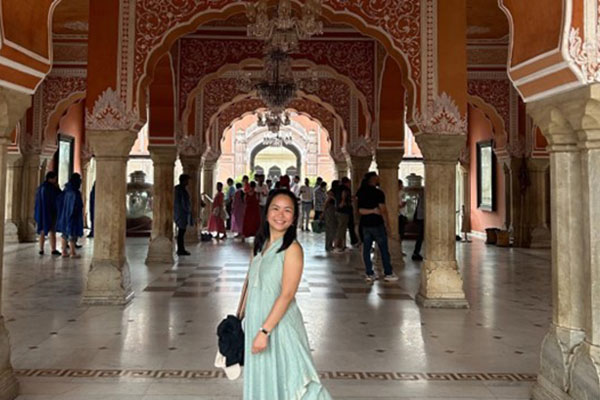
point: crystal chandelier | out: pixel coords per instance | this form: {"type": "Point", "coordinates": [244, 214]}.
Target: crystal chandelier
{"type": "Point", "coordinates": [284, 30]}
{"type": "Point", "coordinates": [278, 87]}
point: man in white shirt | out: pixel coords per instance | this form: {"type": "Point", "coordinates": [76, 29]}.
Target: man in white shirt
{"type": "Point", "coordinates": [306, 197]}
{"type": "Point", "coordinates": [263, 192]}
{"type": "Point", "coordinates": [296, 186]}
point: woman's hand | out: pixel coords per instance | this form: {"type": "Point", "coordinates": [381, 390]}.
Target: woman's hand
{"type": "Point", "coordinates": [260, 343]}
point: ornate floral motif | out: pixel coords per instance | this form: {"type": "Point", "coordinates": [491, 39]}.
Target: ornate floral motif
{"type": "Point", "coordinates": [191, 146]}
{"type": "Point", "coordinates": [495, 92]}
{"type": "Point", "coordinates": [237, 109]}
{"type": "Point", "coordinates": [442, 117]}
{"type": "Point", "coordinates": [586, 54]}
{"type": "Point", "coordinates": [351, 58]}
{"type": "Point", "coordinates": [400, 20]}
{"type": "Point", "coordinates": [58, 86]}
{"type": "Point", "coordinates": [223, 90]}
{"type": "Point", "coordinates": [110, 113]}
{"type": "Point", "coordinates": [360, 146]}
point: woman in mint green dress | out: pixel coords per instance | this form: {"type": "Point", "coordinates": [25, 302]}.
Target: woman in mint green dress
{"type": "Point", "coordinates": [277, 362]}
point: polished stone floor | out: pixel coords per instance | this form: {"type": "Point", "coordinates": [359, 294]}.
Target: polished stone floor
{"type": "Point", "coordinates": [369, 342]}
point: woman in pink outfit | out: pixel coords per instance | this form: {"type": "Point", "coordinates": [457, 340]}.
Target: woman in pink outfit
{"type": "Point", "coordinates": [217, 221]}
{"type": "Point", "coordinates": [238, 210]}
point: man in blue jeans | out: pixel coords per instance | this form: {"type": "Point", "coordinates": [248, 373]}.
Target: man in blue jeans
{"type": "Point", "coordinates": [375, 225]}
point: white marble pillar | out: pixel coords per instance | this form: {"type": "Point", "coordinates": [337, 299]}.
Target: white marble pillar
{"type": "Point", "coordinates": [161, 246]}
{"type": "Point", "coordinates": [13, 197]}
{"type": "Point", "coordinates": [342, 169]}
{"type": "Point", "coordinates": [108, 280]}
{"type": "Point", "coordinates": [585, 378]}
{"type": "Point", "coordinates": [360, 166]}
{"type": "Point", "coordinates": [31, 180]}
{"type": "Point", "coordinates": [441, 283]}
{"type": "Point", "coordinates": [541, 237]}
{"type": "Point", "coordinates": [388, 162]}
{"type": "Point", "coordinates": [208, 177]}
{"type": "Point", "coordinates": [13, 105]}
{"type": "Point", "coordinates": [558, 119]}
{"type": "Point", "coordinates": [191, 166]}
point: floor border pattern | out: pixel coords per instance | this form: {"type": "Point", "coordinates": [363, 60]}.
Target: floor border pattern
{"type": "Point", "coordinates": [333, 375]}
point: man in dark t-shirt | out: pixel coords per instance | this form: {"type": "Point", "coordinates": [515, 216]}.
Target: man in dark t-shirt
{"type": "Point", "coordinates": [374, 223]}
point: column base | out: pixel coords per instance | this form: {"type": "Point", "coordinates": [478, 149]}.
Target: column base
{"type": "Point", "coordinates": [9, 386]}
{"type": "Point", "coordinates": [541, 238]}
{"type": "Point", "coordinates": [11, 232]}
{"type": "Point", "coordinates": [441, 286]}
{"type": "Point", "coordinates": [191, 235]}
{"type": "Point", "coordinates": [555, 360]}
{"type": "Point", "coordinates": [546, 390]}
{"type": "Point", "coordinates": [441, 303]}
{"type": "Point", "coordinates": [108, 284]}
{"type": "Point", "coordinates": [29, 232]}
{"type": "Point", "coordinates": [585, 373]}
{"type": "Point", "coordinates": [395, 246]}
{"type": "Point", "coordinates": [160, 251]}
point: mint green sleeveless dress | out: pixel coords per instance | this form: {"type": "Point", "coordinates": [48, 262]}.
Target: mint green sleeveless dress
{"type": "Point", "coordinates": [285, 370]}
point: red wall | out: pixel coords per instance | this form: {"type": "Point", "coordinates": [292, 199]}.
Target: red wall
{"type": "Point", "coordinates": [481, 129]}
{"type": "Point", "coordinates": [72, 124]}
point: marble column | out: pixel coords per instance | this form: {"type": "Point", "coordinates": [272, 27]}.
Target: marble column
{"type": "Point", "coordinates": [208, 177]}
{"type": "Point", "coordinates": [191, 166]}
{"type": "Point", "coordinates": [516, 206]}
{"type": "Point", "coordinates": [585, 378]}
{"type": "Point", "coordinates": [388, 162]}
{"type": "Point", "coordinates": [13, 105]}
{"type": "Point", "coordinates": [360, 166]}
{"type": "Point", "coordinates": [560, 118]}
{"type": "Point", "coordinates": [441, 283]}
{"type": "Point", "coordinates": [14, 177]}
{"type": "Point", "coordinates": [108, 280]}
{"type": "Point", "coordinates": [32, 163]}
{"type": "Point", "coordinates": [538, 209]}
{"type": "Point", "coordinates": [160, 249]}
{"type": "Point", "coordinates": [342, 169]}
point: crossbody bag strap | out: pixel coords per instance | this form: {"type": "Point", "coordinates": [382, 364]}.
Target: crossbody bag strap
{"type": "Point", "coordinates": [241, 310]}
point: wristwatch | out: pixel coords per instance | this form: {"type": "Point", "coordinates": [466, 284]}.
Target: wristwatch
{"type": "Point", "coordinates": [266, 332]}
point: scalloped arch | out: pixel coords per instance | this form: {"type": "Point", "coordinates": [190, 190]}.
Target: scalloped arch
{"type": "Point", "coordinates": [348, 18]}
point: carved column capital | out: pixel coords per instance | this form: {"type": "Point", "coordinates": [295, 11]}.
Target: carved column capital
{"type": "Point", "coordinates": [111, 144]}
{"type": "Point", "coordinates": [441, 148]}
{"type": "Point", "coordinates": [163, 155]}
{"type": "Point", "coordinates": [388, 158]}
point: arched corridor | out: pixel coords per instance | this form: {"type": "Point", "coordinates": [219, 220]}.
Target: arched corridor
{"type": "Point", "coordinates": [480, 119]}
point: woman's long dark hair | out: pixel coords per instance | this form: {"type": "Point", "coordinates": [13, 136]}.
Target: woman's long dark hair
{"type": "Point", "coordinates": [264, 233]}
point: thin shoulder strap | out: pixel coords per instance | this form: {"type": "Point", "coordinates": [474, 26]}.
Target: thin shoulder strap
{"type": "Point", "coordinates": [241, 310]}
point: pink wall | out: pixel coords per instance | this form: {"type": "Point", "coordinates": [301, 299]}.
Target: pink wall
{"type": "Point", "coordinates": [72, 124]}
{"type": "Point", "coordinates": [480, 129]}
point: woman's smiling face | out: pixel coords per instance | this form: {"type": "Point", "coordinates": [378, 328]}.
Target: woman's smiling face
{"type": "Point", "coordinates": [280, 214]}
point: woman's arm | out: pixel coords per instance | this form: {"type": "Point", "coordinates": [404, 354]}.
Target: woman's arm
{"type": "Point", "coordinates": [369, 211]}
{"type": "Point", "coordinates": [292, 273]}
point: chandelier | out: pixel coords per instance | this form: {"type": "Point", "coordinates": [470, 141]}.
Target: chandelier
{"type": "Point", "coordinates": [281, 35]}
{"type": "Point", "coordinates": [278, 87]}
{"type": "Point", "coordinates": [284, 30]}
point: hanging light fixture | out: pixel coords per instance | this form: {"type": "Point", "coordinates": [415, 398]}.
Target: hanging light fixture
{"type": "Point", "coordinates": [281, 35]}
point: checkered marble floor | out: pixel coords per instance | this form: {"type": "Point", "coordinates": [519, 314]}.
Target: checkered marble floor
{"type": "Point", "coordinates": [190, 280]}
{"type": "Point", "coordinates": [368, 341]}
